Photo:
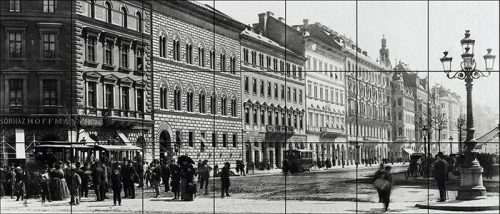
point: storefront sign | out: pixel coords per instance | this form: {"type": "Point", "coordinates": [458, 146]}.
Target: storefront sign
{"type": "Point", "coordinates": [34, 120]}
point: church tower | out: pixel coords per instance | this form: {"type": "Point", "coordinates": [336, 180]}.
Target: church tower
{"type": "Point", "coordinates": [384, 54]}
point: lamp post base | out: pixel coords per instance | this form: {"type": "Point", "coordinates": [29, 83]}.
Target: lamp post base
{"type": "Point", "coordinates": [471, 184]}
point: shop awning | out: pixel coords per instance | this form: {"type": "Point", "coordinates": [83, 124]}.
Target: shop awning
{"type": "Point", "coordinates": [409, 151]}
{"type": "Point", "coordinates": [122, 136]}
{"type": "Point", "coordinates": [20, 141]}
{"type": "Point", "coordinates": [118, 147]}
{"type": "Point", "coordinates": [66, 146]}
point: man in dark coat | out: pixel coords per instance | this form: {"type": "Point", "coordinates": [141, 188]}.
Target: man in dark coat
{"type": "Point", "coordinates": [440, 174]}
{"type": "Point", "coordinates": [224, 178]}
{"type": "Point", "coordinates": [128, 179]}
{"type": "Point", "coordinates": [165, 175]}
{"type": "Point", "coordinates": [386, 193]}
{"type": "Point", "coordinates": [98, 178]}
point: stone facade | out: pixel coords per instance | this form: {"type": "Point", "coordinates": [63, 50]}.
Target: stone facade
{"type": "Point", "coordinates": [326, 108]}
{"type": "Point", "coordinates": [196, 81]}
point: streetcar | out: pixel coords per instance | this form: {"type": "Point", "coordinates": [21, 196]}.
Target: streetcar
{"type": "Point", "coordinates": [297, 160]}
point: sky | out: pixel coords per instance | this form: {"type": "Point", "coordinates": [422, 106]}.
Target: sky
{"type": "Point", "coordinates": [413, 35]}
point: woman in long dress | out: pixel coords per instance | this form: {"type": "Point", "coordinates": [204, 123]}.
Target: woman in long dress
{"type": "Point", "coordinates": [59, 185]}
{"type": "Point", "coordinates": [187, 180]}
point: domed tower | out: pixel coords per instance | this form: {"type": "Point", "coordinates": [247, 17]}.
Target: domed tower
{"type": "Point", "coordinates": [384, 54]}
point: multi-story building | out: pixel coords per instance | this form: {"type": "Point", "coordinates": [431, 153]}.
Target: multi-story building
{"type": "Point", "coordinates": [325, 90]}
{"type": "Point", "coordinates": [75, 72]}
{"type": "Point", "coordinates": [273, 91]}
{"type": "Point", "coordinates": [196, 80]}
{"type": "Point", "coordinates": [403, 112]}
{"type": "Point", "coordinates": [369, 104]}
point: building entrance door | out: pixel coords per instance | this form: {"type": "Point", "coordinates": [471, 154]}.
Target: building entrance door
{"type": "Point", "coordinates": [166, 152]}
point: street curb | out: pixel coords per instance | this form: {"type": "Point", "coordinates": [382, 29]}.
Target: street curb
{"type": "Point", "coordinates": [458, 208]}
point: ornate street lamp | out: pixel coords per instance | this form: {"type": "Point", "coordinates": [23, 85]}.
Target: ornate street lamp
{"type": "Point", "coordinates": [471, 181]}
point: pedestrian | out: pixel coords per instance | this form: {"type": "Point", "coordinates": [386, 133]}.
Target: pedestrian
{"type": "Point", "coordinates": [385, 189]}
{"type": "Point", "coordinates": [165, 175]}
{"type": "Point", "coordinates": [128, 179]}
{"type": "Point", "coordinates": [156, 178]}
{"type": "Point", "coordinates": [216, 170]}
{"type": "Point", "coordinates": [440, 174]}
{"type": "Point", "coordinates": [378, 175]}
{"type": "Point", "coordinates": [187, 172]}
{"type": "Point", "coordinates": [3, 179]}
{"type": "Point", "coordinates": [59, 188]}
{"type": "Point", "coordinates": [224, 178]}
{"type": "Point", "coordinates": [140, 172]}
{"type": "Point", "coordinates": [86, 176]}
{"type": "Point", "coordinates": [176, 179]}
{"type": "Point", "coordinates": [204, 172]}
{"type": "Point", "coordinates": [98, 179]}
{"type": "Point", "coordinates": [242, 168]}
{"type": "Point", "coordinates": [107, 177]}
{"type": "Point", "coordinates": [76, 182]}
{"type": "Point", "coordinates": [44, 184]}
{"type": "Point", "coordinates": [116, 185]}
{"type": "Point", "coordinates": [20, 184]}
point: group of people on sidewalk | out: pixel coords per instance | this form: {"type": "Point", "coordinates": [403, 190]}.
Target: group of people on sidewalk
{"type": "Point", "coordinates": [62, 181]}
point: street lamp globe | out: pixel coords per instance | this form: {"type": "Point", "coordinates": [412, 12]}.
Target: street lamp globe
{"type": "Point", "coordinates": [489, 60]}
{"type": "Point", "coordinates": [446, 61]}
{"type": "Point", "coordinates": [467, 43]}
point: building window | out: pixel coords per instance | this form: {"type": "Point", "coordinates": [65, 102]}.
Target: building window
{"type": "Point", "coordinates": [247, 115]}
{"type": "Point", "coordinates": [15, 45]}
{"type": "Point", "coordinates": [201, 101]}
{"type": "Point", "coordinates": [232, 64]}
{"type": "Point", "coordinates": [124, 56]}
{"type": "Point", "coordinates": [124, 17]}
{"type": "Point", "coordinates": [201, 57]}
{"type": "Point", "coordinates": [163, 46]}
{"type": "Point", "coordinates": [176, 50]}
{"type": "Point", "coordinates": [108, 53]}
{"type": "Point", "coordinates": [177, 99]}
{"type": "Point", "coordinates": [245, 55]}
{"type": "Point", "coordinates": [14, 5]}
{"type": "Point", "coordinates": [109, 96]}
{"type": "Point", "coordinates": [270, 117]}
{"type": "Point", "coordinates": [246, 84]}
{"type": "Point", "coordinates": [262, 117]}
{"type": "Point", "coordinates": [213, 104]}
{"type": "Point", "coordinates": [282, 92]}
{"type": "Point", "coordinates": [163, 98]}
{"type": "Point", "coordinates": [223, 106]}
{"type": "Point", "coordinates": [268, 62]}
{"type": "Point", "coordinates": [139, 22]}
{"type": "Point", "coordinates": [214, 140]}
{"type": "Point", "coordinates": [276, 90]}
{"type": "Point", "coordinates": [255, 116]}
{"type": "Point", "coordinates": [212, 60]}
{"type": "Point", "coordinates": [288, 94]}
{"type": "Point", "coordinates": [109, 12]}
{"type": "Point", "coordinates": [189, 53]}
{"type": "Point", "coordinates": [92, 9]}
{"type": "Point", "coordinates": [294, 95]}
{"type": "Point", "coordinates": [140, 100]}
{"type": "Point", "coordinates": [139, 59]}
{"type": "Point", "coordinates": [269, 89]}
{"type": "Point", "coordinates": [234, 111]}
{"type": "Point", "coordinates": [300, 96]}
{"type": "Point", "coordinates": [49, 92]}
{"type": "Point", "coordinates": [125, 99]}
{"type": "Point", "coordinates": [224, 140]}
{"type": "Point", "coordinates": [254, 57]}
{"type": "Point", "coordinates": [16, 92]}
{"type": "Point", "coordinates": [189, 101]}
{"type": "Point", "coordinates": [222, 62]}
{"type": "Point", "coordinates": [261, 60]}
{"type": "Point", "coordinates": [91, 45]}
{"type": "Point", "coordinates": [91, 94]}
{"type": "Point", "coordinates": [254, 86]}
{"type": "Point", "coordinates": [262, 88]}
{"type": "Point", "coordinates": [49, 6]}
{"type": "Point", "coordinates": [49, 45]}
{"type": "Point", "coordinates": [190, 139]}
{"type": "Point", "coordinates": [235, 138]}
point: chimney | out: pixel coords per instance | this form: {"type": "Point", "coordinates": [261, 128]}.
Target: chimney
{"type": "Point", "coordinates": [281, 19]}
{"type": "Point", "coordinates": [306, 24]}
{"type": "Point", "coordinates": [263, 22]}
{"type": "Point", "coordinates": [270, 14]}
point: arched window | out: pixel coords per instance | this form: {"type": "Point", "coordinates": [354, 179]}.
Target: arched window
{"type": "Point", "coordinates": [163, 46]}
{"type": "Point", "coordinates": [212, 59]}
{"type": "Point", "coordinates": [109, 12]}
{"type": "Point", "coordinates": [176, 49]}
{"type": "Point", "coordinates": [177, 98]}
{"type": "Point", "coordinates": [140, 26]}
{"type": "Point", "coordinates": [232, 64]}
{"type": "Point", "coordinates": [124, 16]}
{"type": "Point", "coordinates": [223, 62]}
{"type": "Point", "coordinates": [400, 131]}
{"type": "Point", "coordinates": [201, 101]}
{"type": "Point", "coordinates": [189, 53]}
{"type": "Point", "coordinates": [213, 104]}
{"type": "Point", "coordinates": [234, 110]}
{"type": "Point", "coordinates": [163, 97]}
{"type": "Point", "coordinates": [201, 56]}
{"type": "Point", "coordinates": [223, 105]}
{"type": "Point", "coordinates": [189, 101]}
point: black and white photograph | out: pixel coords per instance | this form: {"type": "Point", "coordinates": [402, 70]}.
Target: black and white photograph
{"type": "Point", "coordinates": [241, 106]}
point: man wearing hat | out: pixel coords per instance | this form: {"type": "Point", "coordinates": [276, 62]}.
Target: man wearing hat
{"type": "Point", "coordinates": [440, 174]}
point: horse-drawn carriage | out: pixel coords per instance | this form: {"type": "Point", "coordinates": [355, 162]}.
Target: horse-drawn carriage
{"type": "Point", "coordinates": [415, 166]}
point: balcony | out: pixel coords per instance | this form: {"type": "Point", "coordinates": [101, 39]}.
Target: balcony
{"type": "Point", "coordinates": [280, 129]}
{"type": "Point", "coordinates": [331, 132]}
